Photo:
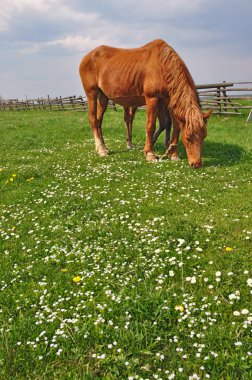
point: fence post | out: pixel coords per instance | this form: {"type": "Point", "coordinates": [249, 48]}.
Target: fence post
{"type": "Point", "coordinates": [225, 97]}
{"type": "Point", "coordinates": [49, 102]}
{"type": "Point", "coordinates": [219, 99]}
{"type": "Point", "coordinates": [72, 102]}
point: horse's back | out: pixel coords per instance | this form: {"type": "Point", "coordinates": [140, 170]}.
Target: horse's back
{"type": "Point", "coordinates": [123, 73]}
{"type": "Point", "coordinates": [103, 56]}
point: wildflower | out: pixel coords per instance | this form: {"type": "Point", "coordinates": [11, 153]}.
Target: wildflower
{"type": "Point", "coordinates": [234, 296]}
{"type": "Point", "coordinates": [76, 279]}
{"type": "Point", "coordinates": [218, 274]}
{"type": "Point", "coordinates": [244, 311]}
{"type": "Point", "coordinates": [180, 242]}
{"type": "Point", "coordinates": [193, 280]}
{"type": "Point", "coordinates": [179, 308]}
{"type": "Point", "coordinates": [199, 249]}
{"type": "Point", "coordinates": [14, 175]}
{"type": "Point", "coordinates": [30, 179]}
{"type": "Point", "coordinates": [194, 376]}
{"type": "Point", "coordinates": [249, 282]}
{"type": "Point", "coordinates": [236, 313]}
{"type": "Point", "coordinates": [238, 343]}
{"type": "Point", "coordinates": [228, 249]}
{"type": "Point", "coordinates": [64, 270]}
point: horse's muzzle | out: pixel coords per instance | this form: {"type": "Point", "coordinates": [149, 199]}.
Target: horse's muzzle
{"type": "Point", "coordinates": [196, 165]}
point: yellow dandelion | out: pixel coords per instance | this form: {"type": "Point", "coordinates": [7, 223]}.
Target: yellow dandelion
{"type": "Point", "coordinates": [228, 249]}
{"type": "Point", "coordinates": [76, 279]}
{"type": "Point", "coordinates": [179, 308]}
{"type": "Point", "coordinates": [64, 270]}
{"type": "Point", "coordinates": [14, 175]}
{"type": "Point", "coordinates": [11, 179]}
{"type": "Point", "coordinates": [30, 179]}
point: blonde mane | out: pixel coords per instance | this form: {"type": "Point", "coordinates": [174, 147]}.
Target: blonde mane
{"type": "Point", "coordinates": [183, 98]}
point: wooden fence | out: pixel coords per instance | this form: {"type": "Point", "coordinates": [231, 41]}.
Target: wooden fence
{"type": "Point", "coordinates": [223, 98]}
{"type": "Point", "coordinates": [69, 103]}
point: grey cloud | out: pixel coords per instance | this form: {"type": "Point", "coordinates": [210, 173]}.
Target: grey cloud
{"type": "Point", "coordinates": [212, 36]}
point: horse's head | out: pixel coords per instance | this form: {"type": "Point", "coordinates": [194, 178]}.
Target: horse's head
{"type": "Point", "coordinates": [193, 133]}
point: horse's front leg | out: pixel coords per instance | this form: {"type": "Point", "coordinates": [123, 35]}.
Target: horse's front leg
{"type": "Point", "coordinates": [151, 115]}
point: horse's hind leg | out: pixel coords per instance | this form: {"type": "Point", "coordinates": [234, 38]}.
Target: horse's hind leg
{"type": "Point", "coordinates": [129, 114]}
{"type": "Point", "coordinates": [96, 123]}
{"type": "Point", "coordinates": [172, 151]}
{"type": "Point", "coordinates": [165, 123]}
{"type": "Point", "coordinates": [102, 105]}
{"type": "Point", "coordinates": [168, 126]}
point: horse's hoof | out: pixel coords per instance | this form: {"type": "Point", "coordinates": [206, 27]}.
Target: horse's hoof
{"type": "Point", "coordinates": [103, 152]}
{"type": "Point", "coordinates": [175, 158]}
{"type": "Point", "coordinates": [150, 156]}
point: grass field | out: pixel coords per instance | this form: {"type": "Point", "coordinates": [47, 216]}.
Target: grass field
{"type": "Point", "coordinates": [116, 268]}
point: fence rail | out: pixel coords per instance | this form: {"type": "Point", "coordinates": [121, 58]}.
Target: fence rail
{"type": "Point", "coordinates": [69, 103]}
{"type": "Point", "coordinates": [223, 98]}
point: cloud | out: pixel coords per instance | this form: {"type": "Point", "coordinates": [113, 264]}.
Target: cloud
{"type": "Point", "coordinates": [72, 43]}
{"type": "Point", "coordinates": [43, 41]}
{"type": "Point", "coordinates": [12, 12]}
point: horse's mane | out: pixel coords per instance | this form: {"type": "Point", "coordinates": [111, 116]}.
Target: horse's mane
{"type": "Point", "coordinates": [183, 97]}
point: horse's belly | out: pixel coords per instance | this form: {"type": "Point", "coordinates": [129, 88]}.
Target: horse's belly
{"type": "Point", "coordinates": [129, 101]}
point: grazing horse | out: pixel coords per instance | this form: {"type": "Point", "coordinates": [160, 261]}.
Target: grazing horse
{"type": "Point", "coordinates": [165, 124]}
{"type": "Point", "coordinates": [154, 75]}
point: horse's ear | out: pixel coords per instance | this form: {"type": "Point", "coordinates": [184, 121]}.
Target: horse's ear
{"type": "Point", "coordinates": [207, 114]}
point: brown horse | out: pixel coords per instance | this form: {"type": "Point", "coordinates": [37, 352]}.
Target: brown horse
{"type": "Point", "coordinates": [165, 123]}
{"type": "Point", "coordinates": [153, 74]}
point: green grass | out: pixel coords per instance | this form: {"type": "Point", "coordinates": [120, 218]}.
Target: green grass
{"type": "Point", "coordinates": [146, 240]}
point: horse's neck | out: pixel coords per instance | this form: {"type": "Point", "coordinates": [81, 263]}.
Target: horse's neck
{"type": "Point", "coordinates": [183, 100]}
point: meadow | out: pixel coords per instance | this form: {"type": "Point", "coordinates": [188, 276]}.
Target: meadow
{"type": "Point", "coordinates": [116, 268]}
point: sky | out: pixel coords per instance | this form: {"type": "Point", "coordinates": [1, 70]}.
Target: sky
{"type": "Point", "coordinates": [43, 41]}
